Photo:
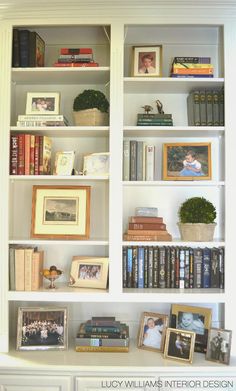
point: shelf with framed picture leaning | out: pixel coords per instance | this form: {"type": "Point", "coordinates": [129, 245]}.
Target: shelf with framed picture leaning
{"type": "Point", "coordinates": [42, 116]}
{"type": "Point", "coordinates": [158, 139]}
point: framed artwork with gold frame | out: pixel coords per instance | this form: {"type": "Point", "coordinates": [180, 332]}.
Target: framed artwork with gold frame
{"type": "Point", "coordinates": [89, 272]}
{"type": "Point", "coordinates": [60, 212]}
{"type": "Point", "coordinates": [147, 61]}
{"type": "Point", "coordinates": [152, 331]}
{"type": "Point", "coordinates": [179, 345]}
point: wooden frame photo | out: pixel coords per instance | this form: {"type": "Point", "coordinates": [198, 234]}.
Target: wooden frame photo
{"type": "Point", "coordinates": [89, 272]}
{"type": "Point", "coordinates": [64, 163]}
{"type": "Point", "coordinates": [191, 318]}
{"type": "Point", "coordinates": [147, 61]}
{"type": "Point", "coordinates": [187, 161]}
{"type": "Point", "coordinates": [179, 345]}
{"type": "Point", "coordinates": [152, 331]}
{"type": "Point", "coordinates": [41, 328]}
{"type": "Point", "coordinates": [45, 103]}
{"type": "Point", "coordinates": [219, 345]}
{"type": "Point", "coordinates": [96, 164]}
{"type": "Point", "coordinates": [60, 212]}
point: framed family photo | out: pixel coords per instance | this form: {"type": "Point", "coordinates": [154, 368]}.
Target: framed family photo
{"type": "Point", "coordinates": [187, 161]}
{"type": "Point", "coordinates": [42, 328]}
{"type": "Point", "coordinates": [60, 212]}
{"type": "Point", "coordinates": [46, 103]}
{"type": "Point", "coordinates": [152, 331]}
{"type": "Point", "coordinates": [147, 61]}
{"type": "Point", "coordinates": [219, 345]}
{"type": "Point", "coordinates": [179, 345]}
{"type": "Point", "coordinates": [89, 272]}
{"type": "Point", "coordinates": [191, 318]}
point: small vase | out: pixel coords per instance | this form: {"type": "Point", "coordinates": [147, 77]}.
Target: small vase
{"type": "Point", "coordinates": [197, 232]}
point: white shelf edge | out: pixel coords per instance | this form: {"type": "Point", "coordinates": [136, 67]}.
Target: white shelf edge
{"type": "Point", "coordinates": [33, 242]}
{"type": "Point", "coordinates": [176, 242]}
{"type": "Point", "coordinates": [178, 128]}
{"type": "Point", "coordinates": [71, 127]}
{"type": "Point", "coordinates": [59, 177]}
{"type": "Point", "coordinates": [60, 69]}
{"type": "Point", "coordinates": [174, 183]}
{"type": "Point", "coordinates": [144, 79]}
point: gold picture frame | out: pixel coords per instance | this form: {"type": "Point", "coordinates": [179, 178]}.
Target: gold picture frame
{"type": "Point", "coordinates": [45, 103]}
{"type": "Point", "coordinates": [42, 328]}
{"type": "Point", "coordinates": [191, 318]}
{"type": "Point", "coordinates": [147, 61]}
{"type": "Point", "coordinates": [152, 331]}
{"type": "Point", "coordinates": [60, 212]}
{"type": "Point", "coordinates": [89, 272]}
{"type": "Point", "coordinates": [179, 345]}
{"type": "Point", "coordinates": [187, 161]}
{"type": "Point", "coordinates": [219, 345]}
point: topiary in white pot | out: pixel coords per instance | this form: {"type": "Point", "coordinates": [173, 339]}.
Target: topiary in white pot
{"type": "Point", "coordinates": [91, 108]}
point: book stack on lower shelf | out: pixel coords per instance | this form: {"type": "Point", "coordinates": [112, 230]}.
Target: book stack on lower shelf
{"type": "Point", "coordinates": [155, 120]}
{"type": "Point", "coordinates": [102, 334]}
{"type": "Point", "coordinates": [192, 67]}
{"type": "Point", "coordinates": [147, 228]}
{"type": "Point", "coordinates": [75, 57]}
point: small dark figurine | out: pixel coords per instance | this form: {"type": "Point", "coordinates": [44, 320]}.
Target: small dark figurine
{"type": "Point", "coordinates": [147, 108]}
{"type": "Point", "coordinates": [159, 107]}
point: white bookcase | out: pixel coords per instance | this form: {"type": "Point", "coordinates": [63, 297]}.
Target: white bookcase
{"type": "Point", "coordinates": [112, 199]}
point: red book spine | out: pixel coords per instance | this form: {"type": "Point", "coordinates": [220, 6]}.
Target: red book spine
{"type": "Point", "coordinates": [41, 155]}
{"type": "Point", "coordinates": [27, 154]}
{"type": "Point", "coordinates": [144, 219]}
{"type": "Point", "coordinates": [36, 156]}
{"type": "Point", "coordinates": [76, 64]}
{"type": "Point", "coordinates": [76, 51]}
{"type": "Point", "coordinates": [147, 226]}
{"type": "Point", "coordinates": [32, 143]}
{"type": "Point", "coordinates": [21, 155]}
{"type": "Point", "coordinates": [13, 154]}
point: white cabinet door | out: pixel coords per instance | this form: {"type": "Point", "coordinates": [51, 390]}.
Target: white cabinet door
{"type": "Point", "coordinates": [34, 383]}
{"type": "Point", "coordinates": [116, 383]}
{"type": "Point", "coordinates": [187, 382]}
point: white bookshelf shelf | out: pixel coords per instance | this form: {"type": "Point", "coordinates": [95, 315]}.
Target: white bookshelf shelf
{"type": "Point", "coordinates": [54, 178]}
{"type": "Point", "coordinates": [174, 183]}
{"type": "Point", "coordinates": [173, 131]}
{"type": "Point", "coordinates": [176, 242]}
{"type": "Point", "coordinates": [64, 131]}
{"type": "Point", "coordinates": [33, 242]}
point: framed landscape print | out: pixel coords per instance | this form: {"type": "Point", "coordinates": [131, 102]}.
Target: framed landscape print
{"type": "Point", "coordinates": [60, 212]}
{"type": "Point", "coordinates": [46, 103]}
{"type": "Point", "coordinates": [89, 272]}
{"type": "Point", "coordinates": [179, 345]}
{"type": "Point", "coordinates": [187, 161]}
{"type": "Point", "coordinates": [219, 345]}
{"type": "Point", "coordinates": [191, 318]}
{"type": "Point", "coordinates": [147, 61]}
{"type": "Point", "coordinates": [41, 328]}
{"type": "Point", "coordinates": [152, 331]}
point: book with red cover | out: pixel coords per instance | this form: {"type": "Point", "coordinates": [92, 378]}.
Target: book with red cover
{"type": "Point", "coordinates": [27, 154]}
{"type": "Point", "coordinates": [149, 238]}
{"type": "Point", "coordinates": [32, 147]}
{"type": "Point", "coordinates": [146, 232]}
{"type": "Point", "coordinates": [145, 219]}
{"type": "Point", "coordinates": [36, 155]}
{"type": "Point", "coordinates": [76, 64]}
{"type": "Point", "coordinates": [13, 154]}
{"type": "Point", "coordinates": [147, 226]}
{"type": "Point", "coordinates": [76, 51]}
{"type": "Point", "coordinates": [21, 154]}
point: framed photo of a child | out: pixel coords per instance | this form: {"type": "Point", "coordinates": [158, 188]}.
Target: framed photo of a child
{"type": "Point", "coordinates": [187, 161]}
{"type": "Point", "coordinates": [152, 331]}
{"type": "Point", "coordinates": [147, 61]}
{"type": "Point", "coordinates": [191, 318]}
{"type": "Point", "coordinates": [179, 345]}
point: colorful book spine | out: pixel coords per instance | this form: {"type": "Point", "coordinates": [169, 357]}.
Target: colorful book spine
{"type": "Point", "coordinates": [133, 160]}
{"type": "Point", "coordinates": [135, 267]}
{"type": "Point", "coordinates": [206, 268]}
{"type": "Point", "coordinates": [197, 268]}
{"type": "Point", "coordinates": [194, 60]}
{"type": "Point", "coordinates": [124, 265]}
{"type": "Point", "coordinates": [147, 226]}
{"type": "Point", "coordinates": [181, 268]}
{"type": "Point", "coordinates": [76, 51]}
{"type": "Point", "coordinates": [150, 267]}
{"type": "Point", "coordinates": [140, 267]}
{"type": "Point", "coordinates": [76, 64]}
{"type": "Point", "coordinates": [126, 160]}
{"type": "Point", "coordinates": [150, 162]}
{"type": "Point", "coordinates": [129, 267]}
{"type": "Point", "coordinates": [13, 154]}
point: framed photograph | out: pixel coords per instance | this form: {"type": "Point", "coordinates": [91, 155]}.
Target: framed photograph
{"type": "Point", "coordinates": [42, 328]}
{"type": "Point", "coordinates": [152, 331]}
{"type": "Point", "coordinates": [147, 61]}
{"type": "Point", "coordinates": [96, 164]}
{"type": "Point", "coordinates": [60, 212]}
{"type": "Point", "coordinates": [196, 319]}
{"type": "Point", "coordinates": [46, 103]}
{"type": "Point", "coordinates": [64, 162]}
{"type": "Point", "coordinates": [219, 345]}
{"type": "Point", "coordinates": [179, 345]}
{"type": "Point", "coordinates": [187, 161]}
{"type": "Point", "coordinates": [89, 272]}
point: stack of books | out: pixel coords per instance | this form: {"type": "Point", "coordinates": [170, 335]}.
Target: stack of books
{"type": "Point", "coordinates": [28, 49]}
{"type": "Point", "coordinates": [25, 265]}
{"type": "Point", "coordinates": [102, 334]}
{"type": "Point", "coordinates": [206, 107]}
{"type": "Point", "coordinates": [28, 120]}
{"type": "Point", "coordinates": [155, 120]}
{"type": "Point", "coordinates": [192, 67]}
{"type": "Point", "coordinates": [76, 57]}
{"type": "Point", "coordinates": [30, 154]}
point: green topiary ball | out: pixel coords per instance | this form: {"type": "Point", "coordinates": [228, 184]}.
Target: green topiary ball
{"type": "Point", "coordinates": [90, 99]}
{"type": "Point", "coordinates": [197, 210]}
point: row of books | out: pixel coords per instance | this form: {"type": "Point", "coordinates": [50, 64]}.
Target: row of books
{"type": "Point", "coordinates": [173, 267]}
{"type": "Point", "coordinates": [76, 57]}
{"type": "Point", "coordinates": [102, 334]}
{"type": "Point", "coordinates": [192, 67]}
{"type": "Point", "coordinates": [30, 154]}
{"type": "Point", "coordinates": [28, 49]}
{"type": "Point", "coordinates": [154, 120]}
{"type": "Point", "coordinates": [41, 120]}
{"type": "Point", "coordinates": [143, 228]}
{"type": "Point", "coordinates": [206, 107]}
{"type": "Point", "coordinates": [25, 265]}
{"type": "Point", "coordinates": [138, 161]}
